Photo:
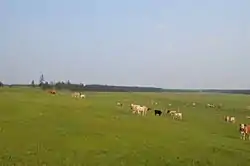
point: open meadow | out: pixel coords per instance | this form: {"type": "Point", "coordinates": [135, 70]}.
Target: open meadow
{"type": "Point", "coordinates": [38, 128]}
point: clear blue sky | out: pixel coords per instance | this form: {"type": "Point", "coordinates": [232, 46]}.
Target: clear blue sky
{"type": "Point", "coordinates": [163, 43]}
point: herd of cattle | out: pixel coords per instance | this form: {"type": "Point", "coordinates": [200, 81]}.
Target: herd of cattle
{"type": "Point", "coordinates": [142, 110]}
{"type": "Point", "coordinates": [78, 95]}
{"type": "Point", "coordinates": [175, 114]}
{"type": "Point", "coordinates": [75, 94]}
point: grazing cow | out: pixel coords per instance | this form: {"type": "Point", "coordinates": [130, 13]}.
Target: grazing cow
{"type": "Point", "coordinates": [231, 119]}
{"type": "Point", "coordinates": [134, 108]}
{"type": "Point", "coordinates": [52, 92]}
{"type": "Point", "coordinates": [171, 112]}
{"type": "Point", "coordinates": [210, 105]}
{"type": "Point", "coordinates": [248, 117]}
{"type": "Point", "coordinates": [158, 112]}
{"type": "Point", "coordinates": [177, 115]}
{"type": "Point", "coordinates": [244, 131]}
{"type": "Point", "coordinates": [139, 109]}
{"type": "Point", "coordinates": [142, 110]}
{"type": "Point", "coordinates": [169, 104]}
{"type": "Point", "coordinates": [119, 104]}
{"type": "Point", "coordinates": [78, 95]}
{"type": "Point", "coordinates": [226, 118]}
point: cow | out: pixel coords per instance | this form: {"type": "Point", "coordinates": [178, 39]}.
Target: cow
{"type": "Point", "coordinates": [194, 104]}
{"type": "Point", "coordinates": [210, 105]}
{"type": "Point", "coordinates": [142, 110]}
{"type": "Point", "coordinates": [78, 95]}
{"type": "Point", "coordinates": [226, 118]}
{"type": "Point", "coordinates": [52, 92]}
{"type": "Point", "coordinates": [231, 119]}
{"type": "Point", "coordinates": [82, 96]}
{"type": "Point", "coordinates": [244, 131]}
{"type": "Point", "coordinates": [119, 104]}
{"type": "Point", "coordinates": [158, 112]}
{"type": "Point", "coordinates": [178, 115]}
{"type": "Point", "coordinates": [134, 108]}
{"type": "Point", "coordinates": [139, 109]}
{"type": "Point", "coordinates": [171, 112]}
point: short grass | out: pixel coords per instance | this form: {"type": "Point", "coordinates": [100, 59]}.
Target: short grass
{"type": "Point", "coordinates": [37, 128]}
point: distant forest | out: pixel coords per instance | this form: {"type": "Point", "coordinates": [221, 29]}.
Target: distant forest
{"type": "Point", "coordinates": [45, 85]}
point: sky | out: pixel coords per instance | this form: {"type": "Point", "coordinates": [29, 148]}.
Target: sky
{"type": "Point", "coordinates": [162, 43]}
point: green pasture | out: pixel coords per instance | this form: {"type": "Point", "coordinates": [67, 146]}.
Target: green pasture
{"type": "Point", "coordinates": [37, 128]}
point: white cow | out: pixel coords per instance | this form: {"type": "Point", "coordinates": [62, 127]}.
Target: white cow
{"type": "Point", "coordinates": [119, 104]}
{"type": "Point", "coordinates": [139, 109]}
{"type": "Point", "coordinates": [210, 105]}
{"type": "Point", "coordinates": [171, 112]}
{"type": "Point", "coordinates": [134, 108]}
{"type": "Point", "coordinates": [78, 95]}
{"type": "Point", "coordinates": [231, 119]}
{"type": "Point", "coordinates": [82, 96]}
{"type": "Point", "coordinates": [142, 110]}
{"type": "Point", "coordinates": [177, 115]}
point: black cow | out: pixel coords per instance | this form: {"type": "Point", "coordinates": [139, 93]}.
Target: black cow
{"type": "Point", "coordinates": [158, 112]}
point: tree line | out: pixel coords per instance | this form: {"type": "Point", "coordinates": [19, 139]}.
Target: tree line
{"type": "Point", "coordinates": [67, 85]}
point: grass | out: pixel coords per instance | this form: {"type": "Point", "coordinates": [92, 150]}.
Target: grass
{"type": "Point", "coordinates": [37, 128]}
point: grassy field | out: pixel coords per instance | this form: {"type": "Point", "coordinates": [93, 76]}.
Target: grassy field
{"type": "Point", "coordinates": [37, 128]}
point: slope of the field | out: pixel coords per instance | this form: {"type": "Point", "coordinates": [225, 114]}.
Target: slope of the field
{"type": "Point", "coordinates": [37, 128]}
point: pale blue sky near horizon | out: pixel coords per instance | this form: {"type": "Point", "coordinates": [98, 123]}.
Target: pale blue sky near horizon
{"type": "Point", "coordinates": [162, 43]}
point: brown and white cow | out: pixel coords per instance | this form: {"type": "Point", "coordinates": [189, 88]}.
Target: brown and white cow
{"type": "Point", "coordinates": [244, 131]}
{"type": "Point", "coordinates": [52, 92]}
